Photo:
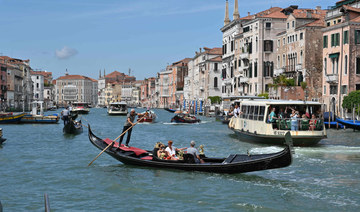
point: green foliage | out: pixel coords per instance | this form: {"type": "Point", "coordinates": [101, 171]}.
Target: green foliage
{"type": "Point", "coordinates": [352, 100]}
{"type": "Point", "coordinates": [281, 80]}
{"type": "Point", "coordinates": [215, 99]}
{"type": "Point", "coordinates": [265, 95]}
{"type": "Point", "coordinates": [303, 85]}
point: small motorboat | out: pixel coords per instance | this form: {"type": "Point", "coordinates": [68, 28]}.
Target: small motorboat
{"type": "Point", "coordinates": [185, 118]}
{"type": "Point", "coordinates": [150, 117]}
{"type": "Point", "coordinates": [118, 109]}
{"type": "Point", "coordinates": [80, 108]}
{"type": "Point", "coordinates": [234, 163]}
{"type": "Point", "coordinates": [73, 126]}
{"type": "Point", "coordinates": [11, 118]}
{"type": "Point", "coordinates": [171, 110]}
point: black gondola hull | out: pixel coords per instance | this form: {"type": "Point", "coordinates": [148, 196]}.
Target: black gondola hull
{"type": "Point", "coordinates": [247, 163]}
{"type": "Point", "coordinates": [72, 128]}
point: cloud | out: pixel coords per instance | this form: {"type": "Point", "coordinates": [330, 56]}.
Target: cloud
{"type": "Point", "coordinates": [65, 53]}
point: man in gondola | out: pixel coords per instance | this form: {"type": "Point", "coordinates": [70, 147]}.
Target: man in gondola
{"type": "Point", "coordinates": [193, 151]}
{"type": "Point", "coordinates": [128, 124]}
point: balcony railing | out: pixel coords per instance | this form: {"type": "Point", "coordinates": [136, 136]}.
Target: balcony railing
{"type": "Point", "coordinates": [332, 78]}
{"type": "Point", "coordinates": [279, 71]}
{"type": "Point", "coordinates": [227, 81]}
{"type": "Point", "coordinates": [244, 55]}
{"type": "Point", "coordinates": [244, 79]}
{"type": "Point", "coordinates": [298, 67]}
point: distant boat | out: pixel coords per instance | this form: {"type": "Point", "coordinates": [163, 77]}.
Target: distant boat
{"type": "Point", "coordinates": [349, 123]}
{"type": "Point", "coordinates": [171, 110]}
{"type": "Point", "coordinates": [80, 108]}
{"type": "Point", "coordinates": [118, 109]}
{"type": "Point", "coordinates": [150, 117]}
{"type": "Point", "coordinates": [35, 118]}
{"type": "Point", "coordinates": [11, 118]}
{"type": "Point", "coordinates": [185, 118]}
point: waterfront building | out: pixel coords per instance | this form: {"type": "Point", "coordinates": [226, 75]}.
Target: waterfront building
{"type": "Point", "coordinates": [38, 86]}
{"type": "Point", "coordinates": [126, 92]}
{"type": "Point", "coordinates": [136, 93]}
{"type": "Point", "coordinates": [203, 78]}
{"type": "Point", "coordinates": [341, 50]}
{"type": "Point", "coordinates": [3, 85]}
{"type": "Point", "coordinates": [101, 90]}
{"type": "Point", "coordinates": [171, 84]}
{"type": "Point", "coordinates": [75, 88]}
{"type": "Point", "coordinates": [19, 91]}
{"type": "Point", "coordinates": [151, 92]}
{"type": "Point", "coordinates": [298, 55]}
{"type": "Point", "coordinates": [144, 96]}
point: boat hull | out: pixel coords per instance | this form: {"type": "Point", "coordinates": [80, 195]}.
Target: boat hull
{"type": "Point", "coordinates": [112, 113]}
{"type": "Point", "coordinates": [248, 163]}
{"type": "Point", "coordinates": [277, 139]}
{"type": "Point", "coordinates": [349, 124]}
{"type": "Point", "coordinates": [29, 119]}
{"type": "Point", "coordinates": [72, 128]}
{"type": "Point", "coordinates": [11, 119]}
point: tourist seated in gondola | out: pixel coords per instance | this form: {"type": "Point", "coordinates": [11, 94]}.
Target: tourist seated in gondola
{"type": "Point", "coordinates": [193, 151]}
{"type": "Point", "coordinates": [162, 153]}
{"type": "Point", "coordinates": [172, 150]}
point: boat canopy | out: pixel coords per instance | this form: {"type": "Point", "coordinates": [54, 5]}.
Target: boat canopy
{"type": "Point", "coordinates": [76, 104]}
{"type": "Point", "coordinates": [118, 103]}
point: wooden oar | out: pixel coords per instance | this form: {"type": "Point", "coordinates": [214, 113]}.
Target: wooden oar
{"type": "Point", "coordinates": [115, 140]}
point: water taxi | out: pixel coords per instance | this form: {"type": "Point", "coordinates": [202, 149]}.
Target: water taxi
{"type": "Point", "coordinates": [256, 122]}
{"type": "Point", "coordinates": [118, 108]}
{"type": "Point", "coordinates": [80, 108]}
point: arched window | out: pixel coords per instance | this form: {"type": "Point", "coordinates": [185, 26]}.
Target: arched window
{"type": "Point", "coordinates": [325, 65]}
{"type": "Point", "coordinates": [215, 82]}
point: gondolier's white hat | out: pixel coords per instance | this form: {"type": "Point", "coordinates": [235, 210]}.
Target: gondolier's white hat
{"type": "Point", "coordinates": [132, 110]}
{"type": "Point", "coordinates": [192, 143]}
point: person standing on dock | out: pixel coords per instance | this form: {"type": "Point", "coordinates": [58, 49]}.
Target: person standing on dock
{"type": "Point", "coordinates": [128, 123]}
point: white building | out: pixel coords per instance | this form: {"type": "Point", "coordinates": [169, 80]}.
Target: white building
{"type": "Point", "coordinates": [38, 86]}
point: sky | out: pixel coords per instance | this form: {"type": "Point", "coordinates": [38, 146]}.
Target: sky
{"type": "Point", "coordinates": [85, 36]}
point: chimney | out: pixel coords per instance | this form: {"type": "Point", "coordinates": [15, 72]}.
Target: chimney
{"type": "Point", "coordinates": [226, 20]}
{"type": "Point", "coordinates": [236, 14]}
{"type": "Point", "coordinates": [248, 13]}
{"type": "Point", "coordinates": [308, 13]}
{"type": "Point", "coordinates": [318, 7]}
{"type": "Point", "coordinates": [200, 50]}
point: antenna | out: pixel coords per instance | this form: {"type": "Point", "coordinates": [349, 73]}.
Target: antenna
{"type": "Point", "coordinates": [129, 71]}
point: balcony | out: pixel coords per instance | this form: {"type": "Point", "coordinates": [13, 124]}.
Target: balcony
{"type": "Point", "coordinates": [244, 55]}
{"type": "Point", "coordinates": [332, 78]}
{"type": "Point", "coordinates": [298, 67]}
{"type": "Point", "coordinates": [227, 81]}
{"type": "Point", "coordinates": [244, 79]}
{"type": "Point", "coordinates": [279, 71]}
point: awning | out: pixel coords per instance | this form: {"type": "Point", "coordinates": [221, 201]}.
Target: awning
{"type": "Point", "coordinates": [335, 55]}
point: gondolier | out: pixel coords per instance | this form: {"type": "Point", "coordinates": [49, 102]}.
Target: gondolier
{"type": "Point", "coordinates": [128, 123]}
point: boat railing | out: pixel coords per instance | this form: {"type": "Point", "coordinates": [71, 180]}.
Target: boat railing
{"type": "Point", "coordinates": [299, 124]}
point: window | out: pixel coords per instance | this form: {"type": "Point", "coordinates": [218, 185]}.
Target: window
{"type": "Point", "coordinates": [278, 42]}
{"type": "Point", "coordinates": [325, 66]}
{"type": "Point", "coordinates": [324, 89]}
{"type": "Point", "coordinates": [246, 29]}
{"type": "Point", "coordinates": [268, 25]}
{"type": "Point", "coordinates": [215, 66]}
{"type": "Point", "coordinates": [301, 36]}
{"type": "Point", "coordinates": [357, 36]}
{"type": "Point", "coordinates": [215, 82]}
{"type": "Point", "coordinates": [335, 39]}
{"type": "Point", "coordinates": [255, 69]}
{"type": "Point", "coordinates": [37, 85]}
{"type": "Point", "coordinates": [333, 89]}
{"type": "Point", "coordinates": [357, 87]}
{"type": "Point", "coordinates": [325, 40]}
{"type": "Point", "coordinates": [251, 112]}
{"type": "Point", "coordinates": [223, 73]}
{"type": "Point", "coordinates": [287, 25]}
{"type": "Point", "coordinates": [250, 70]}
{"type": "Point", "coordinates": [268, 69]}
{"type": "Point", "coordinates": [344, 89]}
{"type": "Point", "coordinates": [256, 112]}
{"type": "Point", "coordinates": [283, 41]}
{"type": "Point", "coordinates": [231, 72]}
{"type": "Point", "coordinates": [346, 37]}
{"type": "Point", "coordinates": [358, 65]}
{"type": "Point", "coordinates": [268, 45]}
{"type": "Point", "coordinates": [232, 45]}
{"type": "Point", "coordinates": [261, 113]}
{"type": "Point", "coordinates": [328, 24]}
{"type": "Point", "coordinates": [346, 64]}
{"type": "Point", "coordinates": [293, 24]}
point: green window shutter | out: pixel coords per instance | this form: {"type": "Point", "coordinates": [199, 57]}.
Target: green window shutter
{"type": "Point", "coordinates": [332, 39]}
{"type": "Point", "coordinates": [346, 37]}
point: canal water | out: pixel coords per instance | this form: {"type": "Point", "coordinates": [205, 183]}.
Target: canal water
{"type": "Point", "coordinates": [38, 159]}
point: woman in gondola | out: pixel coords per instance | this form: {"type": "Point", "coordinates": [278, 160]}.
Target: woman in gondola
{"type": "Point", "coordinates": [162, 154]}
{"type": "Point", "coordinates": [172, 150]}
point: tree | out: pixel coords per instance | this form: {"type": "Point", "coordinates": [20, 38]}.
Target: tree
{"type": "Point", "coordinates": [265, 95]}
{"type": "Point", "coordinates": [352, 100]}
{"type": "Point", "coordinates": [215, 99]}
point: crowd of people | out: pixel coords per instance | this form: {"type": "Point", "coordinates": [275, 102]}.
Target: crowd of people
{"type": "Point", "coordinates": [299, 121]}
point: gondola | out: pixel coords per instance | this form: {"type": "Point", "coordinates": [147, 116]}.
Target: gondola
{"type": "Point", "coordinates": [185, 118]}
{"type": "Point", "coordinates": [73, 126]}
{"type": "Point", "coordinates": [349, 123]}
{"type": "Point", "coordinates": [170, 110]}
{"type": "Point", "coordinates": [2, 140]}
{"type": "Point", "coordinates": [234, 163]}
